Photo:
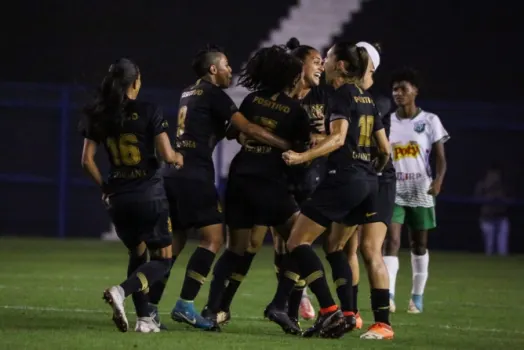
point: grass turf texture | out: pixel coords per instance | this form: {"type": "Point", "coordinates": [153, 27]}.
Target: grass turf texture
{"type": "Point", "coordinates": [50, 298]}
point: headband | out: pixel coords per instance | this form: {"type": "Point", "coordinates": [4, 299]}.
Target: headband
{"type": "Point", "coordinates": [372, 52]}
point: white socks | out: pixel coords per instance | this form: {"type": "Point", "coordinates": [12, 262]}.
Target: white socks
{"type": "Point", "coordinates": [392, 266]}
{"type": "Point", "coordinates": [419, 266]}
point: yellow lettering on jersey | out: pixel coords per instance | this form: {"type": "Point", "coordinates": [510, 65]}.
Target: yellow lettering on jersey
{"type": "Point", "coordinates": [362, 99]}
{"type": "Point", "coordinates": [362, 156]}
{"type": "Point", "coordinates": [272, 105]}
{"type": "Point", "coordinates": [196, 92]}
{"type": "Point", "coordinates": [411, 149]}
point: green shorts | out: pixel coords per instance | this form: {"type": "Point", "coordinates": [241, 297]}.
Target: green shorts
{"type": "Point", "coordinates": [416, 218]}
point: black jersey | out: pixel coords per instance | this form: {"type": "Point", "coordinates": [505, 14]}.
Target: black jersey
{"type": "Point", "coordinates": [131, 149]}
{"type": "Point", "coordinates": [355, 105]}
{"type": "Point", "coordinates": [384, 110]}
{"type": "Point", "coordinates": [316, 104]}
{"type": "Point", "coordinates": [205, 112]}
{"type": "Point", "coordinates": [282, 116]}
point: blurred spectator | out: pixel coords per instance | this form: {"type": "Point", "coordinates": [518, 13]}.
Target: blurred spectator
{"type": "Point", "coordinates": [494, 222]}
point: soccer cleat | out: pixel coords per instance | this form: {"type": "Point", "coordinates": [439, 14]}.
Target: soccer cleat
{"type": "Point", "coordinates": [415, 304]}
{"type": "Point", "coordinates": [281, 318]}
{"type": "Point", "coordinates": [296, 322]}
{"type": "Point", "coordinates": [351, 321]}
{"type": "Point", "coordinates": [184, 311]}
{"type": "Point", "coordinates": [223, 317]}
{"type": "Point", "coordinates": [220, 318]}
{"type": "Point", "coordinates": [146, 325]}
{"type": "Point", "coordinates": [306, 310]}
{"type": "Point", "coordinates": [359, 320]}
{"type": "Point", "coordinates": [392, 306]}
{"type": "Point", "coordinates": [329, 325]}
{"type": "Point", "coordinates": [378, 331]}
{"type": "Point", "coordinates": [153, 312]}
{"type": "Point", "coordinates": [115, 298]}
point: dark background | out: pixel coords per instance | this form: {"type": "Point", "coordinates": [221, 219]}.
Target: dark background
{"type": "Point", "coordinates": [54, 52]}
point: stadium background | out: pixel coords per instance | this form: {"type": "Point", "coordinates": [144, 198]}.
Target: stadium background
{"type": "Point", "coordinates": [57, 51]}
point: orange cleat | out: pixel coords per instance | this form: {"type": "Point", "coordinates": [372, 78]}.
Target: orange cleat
{"type": "Point", "coordinates": [379, 331]}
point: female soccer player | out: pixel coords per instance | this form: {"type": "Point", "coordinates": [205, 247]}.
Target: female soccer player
{"type": "Point", "coordinates": [205, 112]}
{"type": "Point", "coordinates": [386, 200]}
{"type": "Point", "coordinates": [349, 188]}
{"type": "Point", "coordinates": [414, 133]}
{"type": "Point", "coordinates": [130, 132]}
{"type": "Point", "coordinates": [314, 100]}
{"type": "Point", "coordinates": [257, 192]}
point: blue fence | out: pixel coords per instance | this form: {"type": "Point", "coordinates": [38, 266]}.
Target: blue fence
{"type": "Point", "coordinates": [468, 123]}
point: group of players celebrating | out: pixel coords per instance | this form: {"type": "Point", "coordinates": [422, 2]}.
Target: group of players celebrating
{"type": "Point", "coordinates": [315, 159]}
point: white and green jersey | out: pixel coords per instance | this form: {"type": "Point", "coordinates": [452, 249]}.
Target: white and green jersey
{"type": "Point", "coordinates": [411, 142]}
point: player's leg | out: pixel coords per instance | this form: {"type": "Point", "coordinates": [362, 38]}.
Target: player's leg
{"type": "Point", "coordinates": [503, 236]}
{"type": "Point", "coordinates": [372, 240]}
{"type": "Point", "coordinates": [149, 220]}
{"type": "Point", "coordinates": [341, 271]}
{"type": "Point", "coordinates": [391, 248]}
{"type": "Point", "coordinates": [156, 291]}
{"type": "Point", "coordinates": [351, 250]}
{"type": "Point", "coordinates": [255, 238]}
{"type": "Point", "coordinates": [419, 221]}
{"type": "Point", "coordinates": [199, 208]}
{"type": "Point", "coordinates": [239, 221]}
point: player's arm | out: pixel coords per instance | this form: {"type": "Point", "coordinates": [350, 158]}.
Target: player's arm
{"type": "Point", "coordinates": [258, 133]}
{"type": "Point", "coordinates": [88, 161]}
{"type": "Point", "coordinates": [439, 136]}
{"type": "Point", "coordinates": [163, 146]}
{"type": "Point", "coordinates": [339, 119]}
{"type": "Point", "coordinates": [226, 109]}
{"type": "Point", "coordinates": [382, 143]}
{"type": "Point", "coordinates": [383, 149]}
{"type": "Point", "coordinates": [316, 139]}
{"type": "Point", "coordinates": [159, 127]}
{"type": "Point", "coordinates": [441, 167]}
{"type": "Point", "coordinates": [332, 142]}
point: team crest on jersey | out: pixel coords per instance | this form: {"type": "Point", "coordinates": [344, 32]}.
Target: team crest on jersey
{"type": "Point", "coordinates": [419, 127]}
{"type": "Point", "coordinates": [315, 112]}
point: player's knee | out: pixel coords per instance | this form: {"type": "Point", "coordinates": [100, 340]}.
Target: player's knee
{"type": "Point", "coordinates": [418, 247]}
{"type": "Point", "coordinates": [212, 241]}
{"type": "Point", "coordinates": [370, 250]}
{"type": "Point", "coordinates": [392, 245]}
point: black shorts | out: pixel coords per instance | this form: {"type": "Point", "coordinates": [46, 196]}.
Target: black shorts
{"type": "Point", "coordinates": [141, 221]}
{"type": "Point", "coordinates": [384, 204]}
{"type": "Point", "coordinates": [341, 197]}
{"type": "Point", "coordinates": [254, 201]}
{"type": "Point", "coordinates": [193, 203]}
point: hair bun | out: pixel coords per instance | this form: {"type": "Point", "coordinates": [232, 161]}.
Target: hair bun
{"type": "Point", "coordinates": [292, 43]}
{"type": "Point", "coordinates": [378, 47]}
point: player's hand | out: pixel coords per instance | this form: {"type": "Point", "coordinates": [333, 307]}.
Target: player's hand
{"type": "Point", "coordinates": [179, 160]}
{"type": "Point", "coordinates": [319, 125]}
{"type": "Point", "coordinates": [293, 158]}
{"type": "Point", "coordinates": [242, 138]}
{"type": "Point", "coordinates": [434, 188]}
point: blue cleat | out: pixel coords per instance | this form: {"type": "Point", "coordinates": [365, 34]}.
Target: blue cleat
{"type": "Point", "coordinates": [184, 311]}
{"type": "Point", "coordinates": [415, 304]}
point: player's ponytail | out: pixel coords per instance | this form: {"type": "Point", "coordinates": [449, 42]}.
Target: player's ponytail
{"type": "Point", "coordinates": [272, 69]}
{"type": "Point", "coordinates": [107, 110]}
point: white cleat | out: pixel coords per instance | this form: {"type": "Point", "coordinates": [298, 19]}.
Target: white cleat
{"type": "Point", "coordinates": [412, 308]}
{"type": "Point", "coordinates": [392, 306]}
{"type": "Point", "coordinates": [146, 325]}
{"type": "Point", "coordinates": [114, 296]}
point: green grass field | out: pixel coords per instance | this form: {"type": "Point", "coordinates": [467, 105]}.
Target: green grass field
{"type": "Point", "coordinates": [50, 298]}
